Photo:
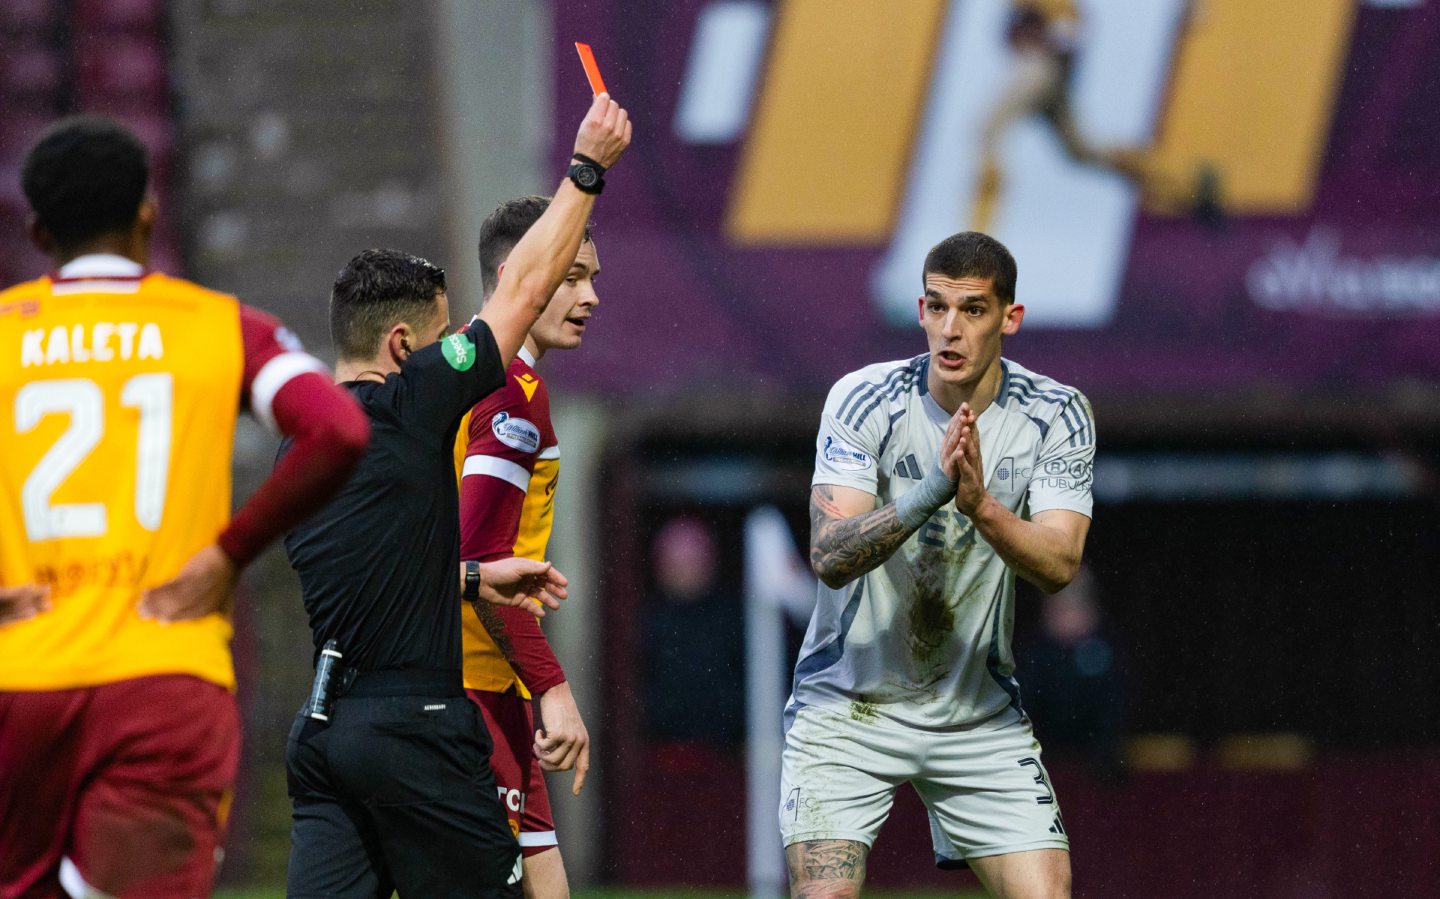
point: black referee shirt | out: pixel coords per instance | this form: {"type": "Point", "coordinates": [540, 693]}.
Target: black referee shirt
{"type": "Point", "coordinates": [380, 566]}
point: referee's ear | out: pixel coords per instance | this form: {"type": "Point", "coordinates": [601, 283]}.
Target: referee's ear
{"type": "Point", "coordinates": [400, 343]}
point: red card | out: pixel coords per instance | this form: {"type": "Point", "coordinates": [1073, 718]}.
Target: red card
{"type": "Point", "coordinates": [592, 71]}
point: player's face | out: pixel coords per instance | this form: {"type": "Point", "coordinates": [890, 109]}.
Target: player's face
{"type": "Point", "coordinates": [562, 324]}
{"type": "Point", "coordinates": [965, 322]}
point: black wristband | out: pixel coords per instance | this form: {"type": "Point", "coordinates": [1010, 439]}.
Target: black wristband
{"type": "Point", "coordinates": [588, 161]}
{"type": "Point", "coordinates": [472, 580]}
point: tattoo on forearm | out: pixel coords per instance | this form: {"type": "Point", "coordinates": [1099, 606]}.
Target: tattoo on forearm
{"type": "Point", "coordinates": [842, 549]}
{"type": "Point", "coordinates": [814, 862]}
{"type": "Point", "coordinates": [494, 627]}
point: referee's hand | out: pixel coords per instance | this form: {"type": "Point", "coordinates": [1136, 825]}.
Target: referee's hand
{"type": "Point", "coordinates": [524, 583]}
{"type": "Point", "coordinates": [606, 131]}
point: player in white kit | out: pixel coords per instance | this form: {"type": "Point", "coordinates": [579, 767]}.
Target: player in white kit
{"type": "Point", "coordinates": [937, 480]}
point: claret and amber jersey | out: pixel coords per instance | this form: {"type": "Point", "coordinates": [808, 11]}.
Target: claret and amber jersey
{"type": "Point", "coordinates": [118, 396]}
{"type": "Point", "coordinates": [508, 461]}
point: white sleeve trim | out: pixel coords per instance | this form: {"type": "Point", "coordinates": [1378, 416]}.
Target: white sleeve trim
{"type": "Point", "coordinates": [73, 882]}
{"type": "Point", "coordinates": [496, 467]}
{"type": "Point", "coordinates": [538, 838]}
{"type": "Point", "coordinates": [550, 452]}
{"type": "Point", "coordinates": [274, 375]}
{"type": "Point", "coordinates": [1079, 505]}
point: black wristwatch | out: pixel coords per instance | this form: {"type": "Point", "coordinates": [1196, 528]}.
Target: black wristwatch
{"type": "Point", "coordinates": [472, 580]}
{"type": "Point", "coordinates": [587, 174]}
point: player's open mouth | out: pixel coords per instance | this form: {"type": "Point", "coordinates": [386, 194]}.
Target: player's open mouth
{"type": "Point", "coordinates": [578, 322]}
{"type": "Point", "coordinates": [950, 359]}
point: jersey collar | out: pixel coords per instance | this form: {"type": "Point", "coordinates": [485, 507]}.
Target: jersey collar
{"type": "Point", "coordinates": [107, 266]}
{"type": "Point", "coordinates": [937, 414]}
{"type": "Point", "coordinates": [527, 357]}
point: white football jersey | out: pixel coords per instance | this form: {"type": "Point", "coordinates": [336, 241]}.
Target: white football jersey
{"type": "Point", "coordinates": [924, 639]}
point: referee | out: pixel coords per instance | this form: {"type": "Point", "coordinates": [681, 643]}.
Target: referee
{"type": "Point", "coordinates": [389, 780]}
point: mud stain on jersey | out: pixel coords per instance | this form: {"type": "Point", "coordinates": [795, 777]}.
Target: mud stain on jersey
{"type": "Point", "coordinates": [931, 621]}
{"type": "Point", "coordinates": [932, 617]}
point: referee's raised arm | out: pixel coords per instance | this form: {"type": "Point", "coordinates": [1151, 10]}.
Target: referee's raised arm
{"type": "Point", "coordinates": [541, 259]}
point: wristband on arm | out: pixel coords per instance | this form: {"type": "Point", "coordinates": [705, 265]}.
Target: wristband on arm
{"type": "Point", "coordinates": [924, 499]}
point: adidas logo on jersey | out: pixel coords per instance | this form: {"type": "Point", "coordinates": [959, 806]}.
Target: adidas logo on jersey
{"type": "Point", "coordinates": [908, 468]}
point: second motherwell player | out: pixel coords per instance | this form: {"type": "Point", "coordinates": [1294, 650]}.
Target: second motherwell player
{"type": "Point", "coordinates": [509, 461]}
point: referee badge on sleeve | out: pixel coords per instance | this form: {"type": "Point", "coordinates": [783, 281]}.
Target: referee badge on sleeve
{"type": "Point", "coordinates": [459, 351]}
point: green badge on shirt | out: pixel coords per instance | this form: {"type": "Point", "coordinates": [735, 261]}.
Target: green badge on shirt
{"type": "Point", "coordinates": [459, 352]}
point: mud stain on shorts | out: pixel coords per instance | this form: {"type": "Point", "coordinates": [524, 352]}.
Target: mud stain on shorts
{"type": "Point", "coordinates": [862, 711]}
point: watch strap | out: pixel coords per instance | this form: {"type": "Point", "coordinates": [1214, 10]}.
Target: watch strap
{"type": "Point", "coordinates": [472, 580]}
{"type": "Point", "coordinates": [588, 161]}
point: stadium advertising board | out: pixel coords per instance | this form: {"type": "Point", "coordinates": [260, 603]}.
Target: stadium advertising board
{"type": "Point", "coordinates": [800, 156]}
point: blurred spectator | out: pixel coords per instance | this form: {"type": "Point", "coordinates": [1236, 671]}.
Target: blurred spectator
{"type": "Point", "coordinates": [693, 665]}
{"type": "Point", "coordinates": [1071, 682]}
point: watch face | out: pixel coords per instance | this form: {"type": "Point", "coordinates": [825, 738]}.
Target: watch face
{"type": "Point", "coordinates": [586, 176]}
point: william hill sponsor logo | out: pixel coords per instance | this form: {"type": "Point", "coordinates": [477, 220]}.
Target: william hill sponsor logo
{"type": "Point", "coordinates": [842, 455]}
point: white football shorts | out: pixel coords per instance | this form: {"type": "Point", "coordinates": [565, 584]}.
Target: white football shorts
{"type": "Point", "coordinates": [984, 785]}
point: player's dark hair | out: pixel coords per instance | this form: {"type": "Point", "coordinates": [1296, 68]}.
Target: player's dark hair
{"type": "Point", "coordinates": [376, 291]}
{"type": "Point", "coordinates": [971, 254]}
{"type": "Point", "coordinates": [85, 177]}
{"type": "Point", "coordinates": [502, 230]}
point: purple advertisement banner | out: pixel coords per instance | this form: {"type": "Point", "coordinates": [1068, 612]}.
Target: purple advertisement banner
{"type": "Point", "coordinates": [1200, 196]}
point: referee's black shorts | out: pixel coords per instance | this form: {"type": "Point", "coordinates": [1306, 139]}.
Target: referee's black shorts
{"type": "Point", "coordinates": [395, 793]}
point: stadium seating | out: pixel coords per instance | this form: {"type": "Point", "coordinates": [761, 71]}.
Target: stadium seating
{"type": "Point", "coordinates": [29, 16]}
{"type": "Point", "coordinates": [31, 74]}
{"type": "Point", "coordinates": [142, 17]}
{"type": "Point", "coordinates": [59, 57]}
{"type": "Point", "coordinates": [119, 71]}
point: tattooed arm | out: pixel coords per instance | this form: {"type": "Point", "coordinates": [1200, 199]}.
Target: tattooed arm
{"type": "Point", "coordinates": [517, 583]}
{"type": "Point", "coordinates": [495, 627]}
{"type": "Point", "coordinates": [848, 535]}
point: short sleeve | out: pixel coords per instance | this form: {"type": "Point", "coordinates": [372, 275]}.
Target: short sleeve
{"type": "Point", "coordinates": [439, 384]}
{"type": "Point", "coordinates": [1064, 470]}
{"type": "Point", "coordinates": [847, 448]}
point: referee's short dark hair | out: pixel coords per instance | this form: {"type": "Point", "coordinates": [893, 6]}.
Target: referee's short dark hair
{"type": "Point", "coordinates": [85, 177]}
{"type": "Point", "coordinates": [971, 254]}
{"type": "Point", "coordinates": [377, 290]}
{"type": "Point", "coordinates": [502, 230]}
